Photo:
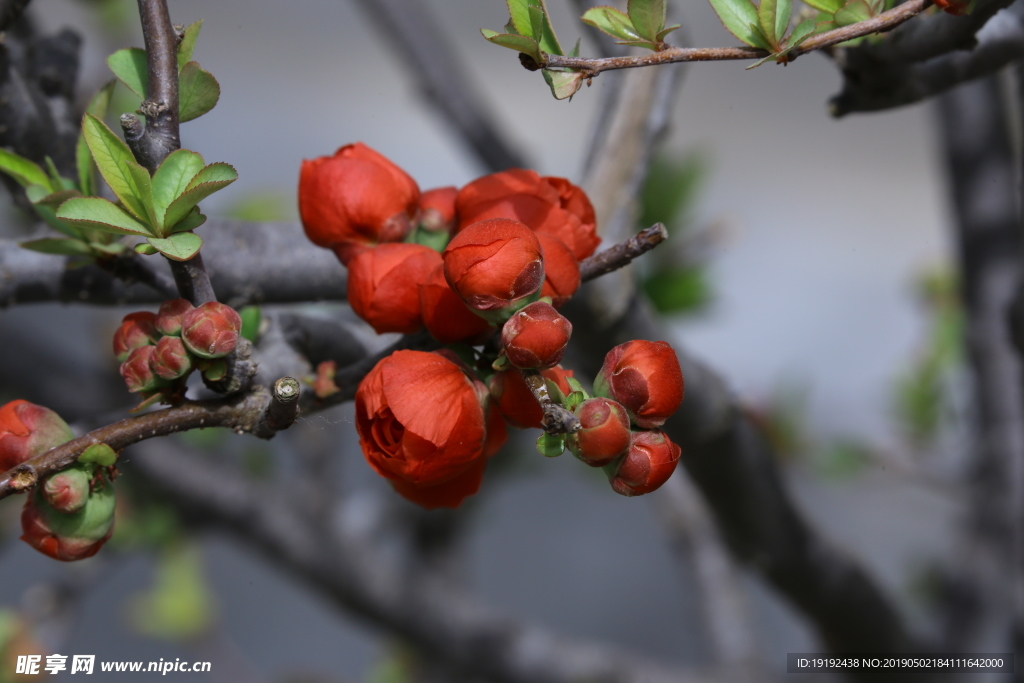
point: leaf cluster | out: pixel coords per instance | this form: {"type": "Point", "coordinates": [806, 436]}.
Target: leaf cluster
{"type": "Point", "coordinates": [765, 26]}
{"type": "Point", "coordinates": [641, 25]}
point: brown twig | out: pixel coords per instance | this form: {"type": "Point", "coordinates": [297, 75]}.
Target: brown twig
{"type": "Point", "coordinates": [283, 409]}
{"type": "Point", "coordinates": [673, 55]}
{"type": "Point", "coordinates": [557, 420]}
{"type": "Point", "coordinates": [620, 255]}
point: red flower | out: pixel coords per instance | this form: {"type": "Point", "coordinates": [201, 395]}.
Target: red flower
{"type": "Point", "coordinates": [604, 433]}
{"type": "Point", "coordinates": [515, 400]}
{"type": "Point", "coordinates": [437, 209]}
{"type": "Point", "coordinates": [447, 494]}
{"type": "Point", "coordinates": [644, 376]}
{"type": "Point", "coordinates": [170, 315]}
{"type": "Point", "coordinates": [211, 331]}
{"type": "Point", "coordinates": [137, 371]}
{"type": "Point", "coordinates": [383, 285]}
{"type": "Point", "coordinates": [536, 336]}
{"type": "Point", "coordinates": [69, 537]}
{"type": "Point", "coordinates": [170, 359]}
{"type": "Point", "coordinates": [651, 460]}
{"type": "Point", "coordinates": [954, 7]}
{"type": "Point", "coordinates": [354, 200]}
{"type": "Point", "coordinates": [561, 270]}
{"type": "Point", "coordinates": [551, 205]}
{"type": "Point", "coordinates": [494, 264]}
{"type": "Point", "coordinates": [137, 329]}
{"type": "Point", "coordinates": [26, 430]}
{"type": "Point", "coordinates": [419, 419]}
{"type": "Point", "coordinates": [445, 315]}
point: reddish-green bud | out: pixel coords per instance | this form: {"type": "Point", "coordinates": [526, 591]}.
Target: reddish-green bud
{"type": "Point", "coordinates": [68, 491]}
{"type": "Point", "coordinates": [170, 359]}
{"type": "Point", "coordinates": [74, 536]}
{"type": "Point", "coordinates": [211, 331]}
{"type": "Point", "coordinates": [651, 460]}
{"type": "Point", "coordinates": [26, 430]}
{"type": "Point", "coordinates": [170, 315]}
{"type": "Point", "coordinates": [536, 337]}
{"type": "Point", "coordinates": [137, 329]}
{"type": "Point", "coordinates": [644, 376]}
{"type": "Point", "coordinates": [604, 432]}
{"type": "Point", "coordinates": [137, 372]}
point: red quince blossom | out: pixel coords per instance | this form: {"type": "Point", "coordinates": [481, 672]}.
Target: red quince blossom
{"type": "Point", "coordinates": [494, 264]}
{"type": "Point", "coordinates": [355, 199]}
{"type": "Point", "coordinates": [561, 270]}
{"type": "Point", "coordinates": [419, 419]}
{"type": "Point", "coordinates": [645, 377]}
{"type": "Point", "coordinates": [437, 209]}
{"type": "Point", "coordinates": [137, 329]}
{"type": "Point", "coordinates": [604, 432]}
{"type": "Point", "coordinates": [137, 370]}
{"type": "Point", "coordinates": [26, 430]}
{"type": "Point", "coordinates": [170, 359]}
{"type": "Point", "coordinates": [211, 330]}
{"type": "Point", "coordinates": [545, 204]}
{"type": "Point", "coordinates": [514, 399]}
{"type": "Point", "coordinates": [651, 460]}
{"type": "Point", "coordinates": [170, 315]}
{"type": "Point", "coordinates": [445, 315]}
{"type": "Point", "coordinates": [536, 336]}
{"type": "Point", "coordinates": [383, 285]}
{"type": "Point", "coordinates": [74, 536]}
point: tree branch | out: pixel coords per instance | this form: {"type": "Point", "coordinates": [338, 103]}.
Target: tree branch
{"type": "Point", "coordinates": [622, 254]}
{"type": "Point", "coordinates": [556, 420]}
{"type": "Point", "coordinates": [161, 136]}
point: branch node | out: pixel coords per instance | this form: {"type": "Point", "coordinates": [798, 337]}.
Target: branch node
{"type": "Point", "coordinates": [556, 420]}
{"type": "Point", "coordinates": [24, 476]}
{"type": "Point", "coordinates": [283, 408]}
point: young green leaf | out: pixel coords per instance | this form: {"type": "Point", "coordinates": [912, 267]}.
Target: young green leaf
{"type": "Point", "coordinates": [198, 92]}
{"type": "Point", "coordinates": [113, 158]}
{"type": "Point", "coordinates": [575, 51]}
{"type": "Point", "coordinates": [639, 43]}
{"type": "Point", "coordinates": [62, 246]}
{"type": "Point", "coordinates": [57, 181]}
{"type": "Point", "coordinates": [188, 43]}
{"type": "Point", "coordinates": [519, 11]}
{"type": "Point", "coordinates": [563, 84]}
{"type": "Point", "coordinates": [83, 159]}
{"type": "Point", "coordinates": [740, 18]}
{"type": "Point", "coordinates": [766, 20]}
{"type": "Point", "coordinates": [546, 36]}
{"type": "Point", "coordinates": [38, 193]}
{"type": "Point", "coordinates": [527, 46]}
{"type": "Point", "coordinates": [24, 171]}
{"type": "Point", "coordinates": [573, 400]}
{"type": "Point", "coordinates": [100, 214]}
{"type": "Point", "coordinates": [129, 65]}
{"type": "Point", "coordinates": [612, 21]}
{"type": "Point", "coordinates": [100, 454]}
{"type": "Point", "coordinates": [178, 247]}
{"type": "Point", "coordinates": [551, 445]}
{"type": "Point", "coordinates": [53, 200]}
{"type": "Point", "coordinates": [853, 12]}
{"type": "Point", "coordinates": [648, 17]}
{"type": "Point", "coordinates": [804, 30]}
{"type": "Point", "coordinates": [575, 386]}
{"type": "Point", "coordinates": [172, 178]}
{"type": "Point", "coordinates": [667, 30]}
{"type": "Point", "coordinates": [783, 14]}
{"type": "Point", "coordinates": [212, 178]}
{"type": "Point", "coordinates": [827, 6]}
{"type": "Point", "coordinates": [190, 222]}
{"type": "Point", "coordinates": [144, 191]}
{"type": "Point", "coordinates": [145, 249]}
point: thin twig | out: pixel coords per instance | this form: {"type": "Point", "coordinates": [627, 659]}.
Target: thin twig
{"type": "Point", "coordinates": [623, 253]}
{"type": "Point", "coordinates": [557, 420]}
{"type": "Point", "coordinates": [283, 408]}
{"type": "Point", "coordinates": [161, 106]}
{"type": "Point", "coordinates": [673, 55]}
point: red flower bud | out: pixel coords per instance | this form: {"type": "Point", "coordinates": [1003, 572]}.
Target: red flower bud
{"type": "Point", "coordinates": [604, 433]}
{"type": "Point", "coordinates": [137, 329]}
{"type": "Point", "coordinates": [419, 419]}
{"type": "Point", "coordinates": [170, 315]}
{"type": "Point", "coordinates": [437, 209]}
{"type": "Point", "coordinates": [494, 264]}
{"type": "Point", "coordinates": [536, 336]}
{"type": "Point", "coordinates": [170, 359]}
{"type": "Point", "coordinates": [447, 494]}
{"type": "Point", "coordinates": [211, 331]}
{"type": "Point", "coordinates": [651, 460]}
{"type": "Point", "coordinates": [26, 430]}
{"type": "Point", "coordinates": [68, 491]}
{"type": "Point", "coordinates": [644, 376]}
{"type": "Point", "coordinates": [561, 270]}
{"type": "Point", "coordinates": [550, 205]}
{"type": "Point", "coordinates": [383, 285]}
{"type": "Point", "coordinates": [354, 200]}
{"type": "Point", "coordinates": [445, 315]}
{"type": "Point", "coordinates": [514, 399]}
{"type": "Point", "coordinates": [138, 372]}
{"type": "Point", "coordinates": [954, 7]}
{"type": "Point", "coordinates": [73, 536]}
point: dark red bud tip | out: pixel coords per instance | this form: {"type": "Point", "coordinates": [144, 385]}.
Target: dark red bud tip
{"type": "Point", "coordinates": [651, 460]}
{"type": "Point", "coordinates": [170, 315]}
{"type": "Point", "coordinates": [604, 432]}
{"type": "Point", "coordinates": [137, 372]}
{"type": "Point", "coordinates": [536, 337]}
{"type": "Point", "coordinates": [211, 331]}
{"type": "Point", "coordinates": [137, 329]}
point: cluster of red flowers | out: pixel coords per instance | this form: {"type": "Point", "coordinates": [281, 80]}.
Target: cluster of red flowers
{"type": "Point", "coordinates": [71, 515]}
{"type": "Point", "coordinates": [159, 350]}
{"type": "Point", "coordinates": [510, 245]}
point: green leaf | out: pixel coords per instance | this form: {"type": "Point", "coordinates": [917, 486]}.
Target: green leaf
{"type": "Point", "coordinates": [100, 214]}
{"type": "Point", "coordinates": [575, 51]}
{"type": "Point", "coordinates": [551, 445]}
{"type": "Point", "coordinates": [198, 92]}
{"type": "Point", "coordinates": [519, 11]}
{"type": "Point", "coordinates": [98, 106]}
{"type": "Point", "coordinates": [251, 317]}
{"type": "Point", "coordinates": [112, 248]}
{"type": "Point", "coordinates": [575, 386]}
{"type": "Point", "coordinates": [57, 181]}
{"type": "Point", "coordinates": [178, 247]}
{"type": "Point", "coordinates": [574, 399]}
{"type": "Point", "coordinates": [667, 30]}
{"type": "Point", "coordinates": [827, 6]}
{"type": "Point", "coordinates": [113, 158]}
{"type": "Point", "coordinates": [804, 30]}
{"type": "Point", "coordinates": [172, 178]}
{"type": "Point", "coordinates": [188, 43]}
{"type": "Point", "coordinates": [545, 33]}
{"type": "Point", "coordinates": [54, 199]}
{"type": "Point", "coordinates": [853, 12]}
{"type": "Point", "coordinates": [648, 17]}
{"type": "Point", "coordinates": [190, 222]}
{"type": "Point", "coordinates": [24, 171]}
{"type": "Point", "coordinates": [100, 454]}
{"type": "Point", "coordinates": [144, 191]}
{"type": "Point", "coordinates": [638, 43]}
{"type": "Point", "coordinates": [528, 46]}
{"type": "Point", "coordinates": [206, 182]}
{"type": "Point", "coordinates": [129, 65]}
{"type": "Point", "coordinates": [769, 15]}
{"type": "Point", "coordinates": [145, 249]}
{"type": "Point", "coordinates": [612, 21]}
{"type": "Point", "coordinates": [63, 246]}
{"type": "Point", "coordinates": [677, 290]}
{"type": "Point", "coordinates": [563, 84]}
{"type": "Point", "coordinates": [739, 18]}
{"type": "Point", "coordinates": [38, 193]}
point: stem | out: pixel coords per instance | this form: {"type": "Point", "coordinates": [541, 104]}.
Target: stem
{"type": "Point", "coordinates": [161, 106]}
{"type": "Point", "coordinates": [623, 253]}
{"type": "Point", "coordinates": [283, 409]}
{"type": "Point", "coordinates": [557, 420]}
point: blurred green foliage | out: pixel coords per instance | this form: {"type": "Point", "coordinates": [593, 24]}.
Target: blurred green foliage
{"type": "Point", "coordinates": [265, 206]}
{"type": "Point", "coordinates": [179, 605]}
